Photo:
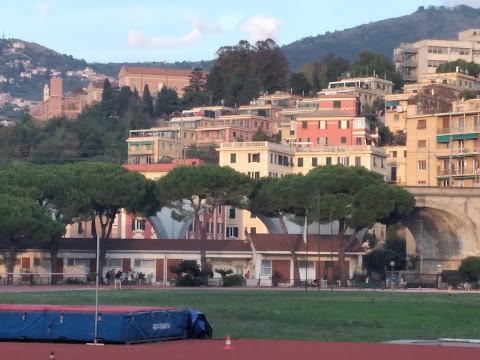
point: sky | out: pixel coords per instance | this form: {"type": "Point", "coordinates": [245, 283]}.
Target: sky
{"type": "Point", "coordinates": [185, 30]}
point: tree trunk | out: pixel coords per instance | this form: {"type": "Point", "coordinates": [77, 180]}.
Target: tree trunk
{"type": "Point", "coordinates": [11, 263]}
{"type": "Point", "coordinates": [202, 236]}
{"type": "Point", "coordinates": [342, 249]}
{"type": "Point", "coordinates": [293, 250]}
{"type": "Point", "coordinates": [53, 264]}
{"type": "Point", "coordinates": [105, 235]}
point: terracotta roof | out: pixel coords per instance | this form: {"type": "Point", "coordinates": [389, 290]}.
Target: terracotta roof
{"type": "Point", "coordinates": [278, 242]}
{"type": "Point", "coordinates": [324, 113]}
{"type": "Point", "coordinates": [158, 71]}
{"type": "Point", "coordinates": [326, 96]}
{"type": "Point", "coordinates": [146, 245]}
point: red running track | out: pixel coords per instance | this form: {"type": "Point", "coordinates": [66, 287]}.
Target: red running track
{"type": "Point", "coordinates": [243, 349]}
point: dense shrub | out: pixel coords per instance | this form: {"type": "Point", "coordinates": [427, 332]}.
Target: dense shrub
{"type": "Point", "coordinates": [470, 268]}
{"type": "Point", "coordinates": [234, 280]}
{"type": "Point", "coordinates": [190, 281]}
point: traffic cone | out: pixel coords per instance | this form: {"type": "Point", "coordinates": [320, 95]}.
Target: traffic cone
{"type": "Point", "coordinates": [228, 343]}
{"type": "Point", "coordinates": [52, 355]}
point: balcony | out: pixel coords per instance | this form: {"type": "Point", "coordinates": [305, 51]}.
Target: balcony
{"type": "Point", "coordinates": [342, 149]}
{"type": "Point", "coordinates": [458, 130]}
{"type": "Point", "coordinates": [466, 172]}
{"type": "Point", "coordinates": [257, 145]}
{"type": "Point", "coordinates": [457, 152]}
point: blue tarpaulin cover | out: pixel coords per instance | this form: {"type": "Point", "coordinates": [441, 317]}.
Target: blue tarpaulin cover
{"type": "Point", "coordinates": [116, 324]}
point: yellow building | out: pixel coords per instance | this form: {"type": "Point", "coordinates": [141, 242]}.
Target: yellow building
{"type": "Point", "coordinates": [444, 149]}
{"type": "Point", "coordinates": [412, 60]}
{"type": "Point", "coordinates": [396, 164]}
{"type": "Point", "coordinates": [397, 107]}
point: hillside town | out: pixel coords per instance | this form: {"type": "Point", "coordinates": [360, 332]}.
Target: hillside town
{"type": "Point", "coordinates": [433, 142]}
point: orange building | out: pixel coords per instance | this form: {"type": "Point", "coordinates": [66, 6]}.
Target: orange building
{"type": "Point", "coordinates": [55, 104]}
{"type": "Point", "coordinates": [156, 78]}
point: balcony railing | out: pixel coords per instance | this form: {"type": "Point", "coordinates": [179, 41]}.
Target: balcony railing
{"type": "Point", "coordinates": [466, 171]}
{"type": "Point", "coordinates": [257, 145]}
{"type": "Point", "coordinates": [340, 148]}
{"type": "Point", "coordinates": [472, 151]}
{"type": "Point", "coordinates": [458, 130]}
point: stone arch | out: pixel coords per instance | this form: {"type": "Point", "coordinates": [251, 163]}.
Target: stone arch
{"type": "Point", "coordinates": [442, 237]}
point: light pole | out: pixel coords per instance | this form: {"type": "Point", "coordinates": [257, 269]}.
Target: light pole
{"type": "Point", "coordinates": [420, 247]}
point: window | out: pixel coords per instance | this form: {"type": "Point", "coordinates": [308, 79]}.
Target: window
{"type": "Point", "coordinates": [358, 141]}
{"type": "Point", "coordinates": [304, 124]}
{"type": "Point", "coordinates": [322, 124]}
{"type": "Point", "coordinates": [231, 213]}
{"type": "Point", "coordinates": [358, 123]}
{"type": "Point", "coordinates": [396, 117]}
{"type": "Point", "coordinates": [37, 262]}
{"type": "Point", "coordinates": [422, 183]}
{"type": "Point", "coordinates": [435, 63]}
{"type": "Point", "coordinates": [134, 85]}
{"type": "Point", "coordinates": [209, 227]}
{"type": "Point", "coordinates": [314, 161]}
{"type": "Point", "coordinates": [254, 174]}
{"type": "Point", "coordinates": [337, 104]}
{"type": "Point", "coordinates": [437, 50]}
{"type": "Point", "coordinates": [77, 262]}
{"type": "Point", "coordinates": [329, 160]}
{"type": "Point", "coordinates": [142, 263]}
{"type": "Point", "coordinates": [80, 228]}
{"type": "Point", "coordinates": [461, 122]}
{"type": "Point", "coordinates": [253, 230]}
{"type": "Point", "coordinates": [309, 264]}
{"type": "Point", "coordinates": [233, 158]}
{"type": "Point", "coordinates": [343, 124]}
{"type": "Point", "coordinates": [219, 228]}
{"type": "Point", "coordinates": [343, 140]}
{"type": "Point", "coordinates": [114, 263]}
{"type": "Point", "coordinates": [343, 160]}
{"type": "Point", "coordinates": [300, 162]}
{"type": "Point", "coordinates": [254, 157]}
{"type": "Point", "coordinates": [405, 153]}
{"type": "Point", "coordinates": [358, 161]}
{"type": "Point", "coordinates": [138, 224]}
{"type": "Point", "coordinates": [422, 144]}
{"type": "Point", "coordinates": [232, 231]}
{"type": "Point", "coordinates": [192, 226]}
{"type": "Point", "coordinates": [394, 154]}
{"type": "Point", "coordinates": [422, 165]}
{"type": "Point", "coordinates": [393, 174]}
{"type": "Point", "coordinates": [266, 268]}
{"type": "Point", "coordinates": [422, 124]}
{"type": "Point", "coordinates": [322, 140]}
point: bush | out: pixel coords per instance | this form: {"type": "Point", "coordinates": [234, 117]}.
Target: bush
{"type": "Point", "coordinates": [470, 268]}
{"type": "Point", "coordinates": [234, 280]}
{"type": "Point", "coordinates": [73, 281]}
{"type": "Point", "coordinates": [190, 281]}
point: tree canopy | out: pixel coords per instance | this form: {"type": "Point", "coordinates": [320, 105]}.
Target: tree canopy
{"type": "Point", "coordinates": [470, 68]}
{"type": "Point", "coordinates": [367, 62]}
{"type": "Point", "coordinates": [204, 188]}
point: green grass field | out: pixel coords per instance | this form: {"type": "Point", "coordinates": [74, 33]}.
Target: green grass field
{"type": "Point", "coordinates": [363, 316]}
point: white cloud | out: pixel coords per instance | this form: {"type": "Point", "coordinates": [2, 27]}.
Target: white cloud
{"type": "Point", "coordinates": [139, 39]}
{"type": "Point", "coordinates": [260, 28]}
{"type": "Point", "coordinates": [45, 8]}
{"type": "Point", "coordinates": [472, 3]}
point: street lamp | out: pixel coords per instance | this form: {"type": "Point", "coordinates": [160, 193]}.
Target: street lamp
{"type": "Point", "coordinates": [392, 264]}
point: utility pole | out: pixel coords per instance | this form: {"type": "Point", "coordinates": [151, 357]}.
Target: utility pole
{"type": "Point", "coordinates": [450, 162]}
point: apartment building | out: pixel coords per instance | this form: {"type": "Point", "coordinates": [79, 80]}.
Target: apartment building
{"type": "Point", "coordinates": [396, 164]}
{"type": "Point", "coordinates": [266, 159]}
{"type": "Point", "coordinates": [367, 89]}
{"type": "Point", "coordinates": [444, 149]}
{"type": "Point", "coordinates": [412, 60]}
{"type": "Point", "coordinates": [279, 99]}
{"type": "Point", "coordinates": [156, 78]}
{"type": "Point", "coordinates": [398, 106]}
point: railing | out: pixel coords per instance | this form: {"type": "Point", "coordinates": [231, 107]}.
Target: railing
{"type": "Point", "coordinates": [468, 171]}
{"type": "Point", "coordinates": [458, 130]}
{"type": "Point", "coordinates": [458, 151]}
{"type": "Point", "coordinates": [340, 149]}
{"type": "Point", "coordinates": [257, 145]}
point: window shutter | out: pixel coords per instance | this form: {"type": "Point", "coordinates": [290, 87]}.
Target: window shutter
{"type": "Point", "coordinates": [133, 224]}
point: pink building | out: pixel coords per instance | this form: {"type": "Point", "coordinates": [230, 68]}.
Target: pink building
{"type": "Point", "coordinates": [332, 127]}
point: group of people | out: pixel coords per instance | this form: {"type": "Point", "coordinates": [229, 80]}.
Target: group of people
{"type": "Point", "coordinates": [116, 278]}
